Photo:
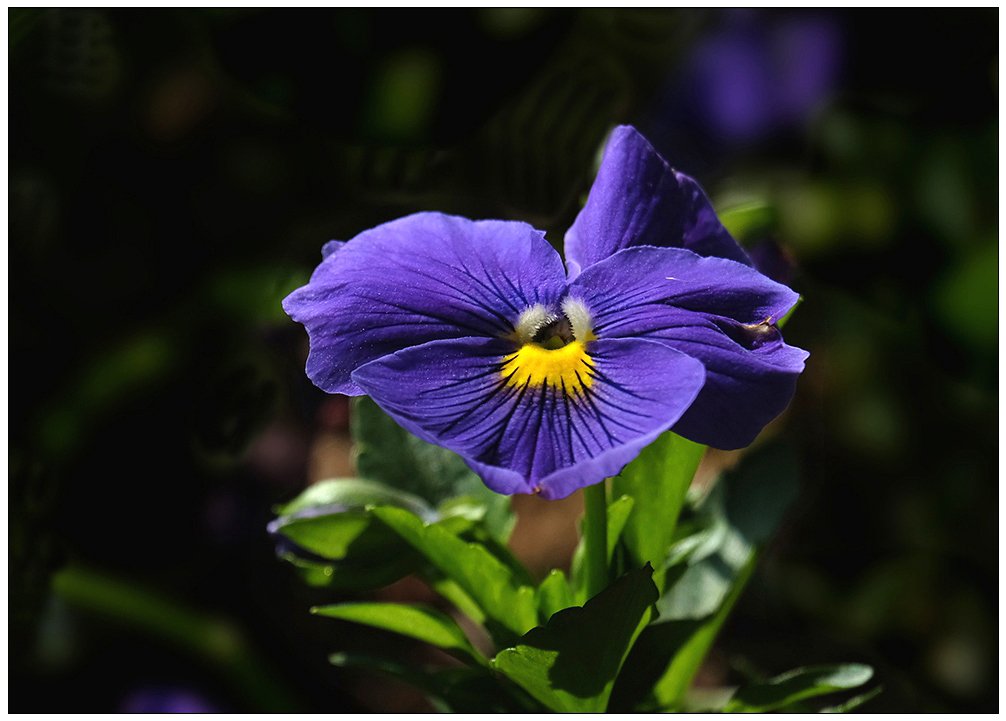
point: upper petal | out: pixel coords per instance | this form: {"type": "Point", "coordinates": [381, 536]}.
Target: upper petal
{"type": "Point", "coordinates": [717, 311]}
{"type": "Point", "coordinates": [638, 199]}
{"type": "Point", "coordinates": [523, 437]}
{"type": "Point", "coordinates": [423, 277]}
{"type": "Point", "coordinates": [627, 292]}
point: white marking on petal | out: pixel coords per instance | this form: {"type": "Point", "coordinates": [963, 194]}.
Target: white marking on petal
{"type": "Point", "coordinates": [531, 321]}
{"type": "Point", "coordinates": [579, 318]}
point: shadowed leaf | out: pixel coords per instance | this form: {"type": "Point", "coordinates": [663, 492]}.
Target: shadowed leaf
{"type": "Point", "coordinates": [570, 664]}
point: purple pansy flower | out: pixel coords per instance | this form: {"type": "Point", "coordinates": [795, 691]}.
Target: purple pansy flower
{"type": "Point", "coordinates": [471, 335]}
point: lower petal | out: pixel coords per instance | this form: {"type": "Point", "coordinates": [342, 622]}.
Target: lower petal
{"type": "Point", "coordinates": [523, 434]}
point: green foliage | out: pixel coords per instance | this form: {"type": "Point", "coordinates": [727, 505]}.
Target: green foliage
{"type": "Point", "coordinates": [966, 299]}
{"type": "Point", "coordinates": [694, 638]}
{"type": "Point", "coordinates": [657, 480]}
{"type": "Point", "coordinates": [387, 453]}
{"type": "Point", "coordinates": [619, 512]}
{"type": "Point", "coordinates": [705, 574]}
{"type": "Point", "coordinates": [509, 606]}
{"type": "Point", "coordinates": [452, 690]}
{"type": "Point", "coordinates": [355, 493]}
{"type": "Point", "coordinates": [351, 549]}
{"type": "Point", "coordinates": [635, 645]}
{"type": "Point", "coordinates": [425, 624]}
{"type": "Point", "coordinates": [571, 663]}
{"type": "Point", "coordinates": [553, 595]}
{"type": "Point", "coordinates": [350, 575]}
{"type": "Point", "coordinates": [854, 702]}
{"type": "Point", "coordinates": [796, 685]}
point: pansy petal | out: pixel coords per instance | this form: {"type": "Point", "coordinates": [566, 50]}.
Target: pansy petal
{"type": "Point", "coordinates": [750, 379]}
{"type": "Point", "coordinates": [547, 438]}
{"type": "Point", "coordinates": [638, 199]}
{"type": "Point", "coordinates": [628, 293]}
{"type": "Point", "coordinates": [715, 310]}
{"type": "Point", "coordinates": [424, 277]}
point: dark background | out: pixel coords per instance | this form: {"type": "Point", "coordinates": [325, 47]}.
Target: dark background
{"type": "Point", "coordinates": [174, 173]}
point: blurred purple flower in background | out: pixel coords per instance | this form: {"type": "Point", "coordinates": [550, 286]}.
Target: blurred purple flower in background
{"type": "Point", "coordinates": [160, 699]}
{"type": "Point", "coordinates": [758, 73]}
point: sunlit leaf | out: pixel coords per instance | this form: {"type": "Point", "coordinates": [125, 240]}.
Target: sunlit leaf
{"type": "Point", "coordinates": [330, 534]}
{"type": "Point", "coordinates": [658, 480]}
{"type": "Point", "coordinates": [424, 624]}
{"type": "Point", "coordinates": [553, 595]}
{"type": "Point", "coordinates": [509, 606]}
{"type": "Point", "coordinates": [667, 655]}
{"type": "Point", "coordinates": [355, 493]}
{"type": "Point", "coordinates": [619, 512]}
{"type": "Point", "coordinates": [796, 685]}
{"type": "Point", "coordinates": [854, 702]}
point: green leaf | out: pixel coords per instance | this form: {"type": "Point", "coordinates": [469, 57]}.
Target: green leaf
{"type": "Point", "coordinates": [735, 519]}
{"type": "Point", "coordinates": [658, 480]}
{"type": "Point", "coordinates": [483, 577]}
{"type": "Point", "coordinates": [618, 515]}
{"type": "Point", "coordinates": [741, 514]}
{"type": "Point", "coordinates": [666, 657]}
{"type": "Point", "coordinates": [425, 624]}
{"type": "Point", "coordinates": [761, 490]}
{"type": "Point", "coordinates": [353, 576]}
{"type": "Point", "coordinates": [456, 689]}
{"type": "Point", "coordinates": [388, 453]}
{"type": "Point", "coordinates": [853, 702]}
{"type": "Point", "coordinates": [700, 590]}
{"type": "Point", "coordinates": [553, 595]}
{"type": "Point", "coordinates": [477, 534]}
{"type": "Point", "coordinates": [469, 691]}
{"type": "Point", "coordinates": [425, 680]}
{"type": "Point", "coordinates": [349, 534]}
{"type": "Point", "coordinates": [697, 638]}
{"type": "Point", "coordinates": [452, 592]}
{"type": "Point", "coordinates": [332, 520]}
{"type": "Point", "coordinates": [570, 664]}
{"type": "Point", "coordinates": [797, 685]}
{"type": "Point", "coordinates": [355, 493]}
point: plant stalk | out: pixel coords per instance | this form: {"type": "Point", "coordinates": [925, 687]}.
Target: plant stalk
{"type": "Point", "coordinates": [595, 536]}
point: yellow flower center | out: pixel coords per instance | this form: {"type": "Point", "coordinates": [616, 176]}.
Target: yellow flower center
{"type": "Point", "coordinates": [567, 368]}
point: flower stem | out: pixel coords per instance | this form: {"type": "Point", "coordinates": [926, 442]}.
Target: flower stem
{"type": "Point", "coordinates": [595, 536]}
